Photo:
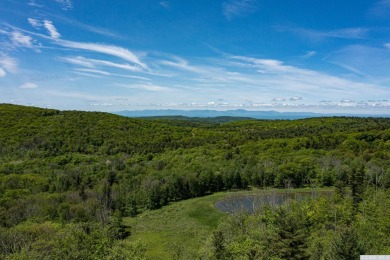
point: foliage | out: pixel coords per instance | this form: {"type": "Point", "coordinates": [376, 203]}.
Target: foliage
{"type": "Point", "coordinates": [67, 170]}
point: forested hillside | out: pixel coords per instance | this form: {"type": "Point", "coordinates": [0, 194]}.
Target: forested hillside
{"type": "Point", "coordinates": [67, 179]}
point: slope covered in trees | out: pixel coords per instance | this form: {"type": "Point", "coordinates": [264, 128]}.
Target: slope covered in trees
{"type": "Point", "coordinates": [76, 174]}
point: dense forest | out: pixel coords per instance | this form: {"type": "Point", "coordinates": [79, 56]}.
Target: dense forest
{"type": "Point", "coordinates": [68, 178]}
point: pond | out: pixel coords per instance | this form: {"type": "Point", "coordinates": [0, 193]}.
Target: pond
{"type": "Point", "coordinates": [251, 203]}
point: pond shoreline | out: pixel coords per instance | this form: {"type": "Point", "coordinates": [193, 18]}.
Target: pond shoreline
{"type": "Point", "coordinates": [251, 202]}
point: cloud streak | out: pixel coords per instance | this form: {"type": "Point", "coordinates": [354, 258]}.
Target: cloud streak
{"type": "Point", "coordinates": [86, 27]}
{"type": "Point", "coordinates": [369, 62]}
{"type": "Point", "coordinates": [16, 39]}
{"type": "Point", "coordinates": [166, 5]}
{"type": "Point", "coordinates": [108, 74]}
{"type": "Point", "coordinates": [2, 73]}
{"type": "Point", "coordinates": [34, 23]}
{"type": "Point", "coordinates": [182, 64]}
{"type": "Point", "coordinates": [51, 29]}
{"type": "Point", "coordinates": [237, 8]}
{"type": "Point", "coordinates": [148, 87]}
{"type": "Point", "coordinates": [92, 63]}
{"type": "Point", "coordinates": [315, 35]}
{"type": "Point", "coordinates": [28, 85]}
{"type": "Point", "coordinates": [20, 40]}
{"type": "Point", "coordinates": [111, 50]}
{"type": "Point", "coordinates": [65, 4]}
{"type": "Point", "coordinates": [381, 9]}
{"type": "Point", "coordinates": [8, 63]}
{"type": "Point", "coordinates": [119, 52]}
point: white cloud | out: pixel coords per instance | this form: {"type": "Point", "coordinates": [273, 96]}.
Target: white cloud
{"type": "Point", "coordinates": [34, 23]}
{"type": "Point", "coordinates": [234, 8]}
{"type": "Point", "coordinates": [87, 27]}
{"type": "Point", "coordinates": [106, 49]}
{"type": "Point", "coordinates": [29, 85]}
{"type": "Point", "coordinates": [112, 50]}
{"type": "Point", "coordinates": [34, 4]}
{"type": "Point", "coordinates": [101, 72]}
{"type": "Point", "coordinates": [267, 65]}
{"type": "Point", "coordinates": [91, 63]}
{"type": "Point", "coordinates": [87, 72]}
{"type": "Point", "coordinates": [296, 98]}
{"type": "Point", "coordinates": [381, 9]}
{"type": "Point", "coordinates": [51, 29]}
{"type": "Point", "coordinates": [78, 61]}
{"type": "Point", "coordinates": [8, 63]}
{"type": "Point", "coordinates": [364, 61]}
{"type": "Point", "coordinates": [309, 54]}
{"type": "Point", "coordinates": [348, 33]}
{"type": "Point", "coordinates": [316, 35]}
{"type": "Point", "coordinates": [2, 73]}
{"type": "Point", "coordinates": [182, 64]}
{"type": "Point", "coordinates": [20, 40]}
{"type": "Point", "coordinates": [66, 4]}
{"type": "Point", "coordinates": [166, 4]}
{"type": "Point", "coordinates": [277, 76]}
{"type": "Point", "coordinates": [147, 87]}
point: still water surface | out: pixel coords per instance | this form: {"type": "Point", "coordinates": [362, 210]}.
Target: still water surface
{"type": "Point", "coordinates": [251, 203]}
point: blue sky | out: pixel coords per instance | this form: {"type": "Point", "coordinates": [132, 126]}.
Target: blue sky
{"type": "Point", "coordinates": [151, 54]}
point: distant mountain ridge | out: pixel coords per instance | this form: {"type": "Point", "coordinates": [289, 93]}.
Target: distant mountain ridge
{"type": "Point", "coordinates": [215, 113]}
{"type": "Point", "coordinates": [234, 113]}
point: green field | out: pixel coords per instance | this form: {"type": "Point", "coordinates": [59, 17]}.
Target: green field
{"type": "Point", "coordinates": [180, 229]}
{"type": "Point", "coordinates": [177, 230]}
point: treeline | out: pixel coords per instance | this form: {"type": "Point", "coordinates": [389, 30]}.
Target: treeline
{"type": "Point", "coordinates": [76, 170]}
{"type": "Point", "coordinates": [315, 228]}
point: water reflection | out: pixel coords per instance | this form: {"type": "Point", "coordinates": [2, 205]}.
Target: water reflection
{"type": "Point", "coordinates": [251, 203]}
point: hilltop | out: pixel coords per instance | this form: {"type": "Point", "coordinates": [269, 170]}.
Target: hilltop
{"type": "Point", "coordinates": [77, 174]}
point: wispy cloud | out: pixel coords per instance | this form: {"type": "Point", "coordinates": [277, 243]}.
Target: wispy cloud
{"type": "Point", "coordinates": [119, 52]}
{"type": "Point", "coordinates": [305, 82]}
{"type": "Point", "coordinates": [16, 39]}
{"type": "Point", "coordinates": [81, 61]}
{"type": "Point", "coordinates": [51, 29]}
{"type": "Point", "coordinates": [236, 8]}
{"type": "Point", "coordinates": [2, 73]}
{"type": "Point", "coordinates": [110, 74]}
{"type": "Point", "coordinates": [8, 63]}
{"type": "Point", "coordinates": [316, 35]}
{"type": "Point", "coordinates": [20, 40]}
{"type": "Point", "coordinates": [381, 9]}
{"type": "Point", "coordinates": [28, 85]}
{"type": "Point", "coordinates": [309, 54]}
{"type": "Point", "coordinates": [86, 27]}
{"type": "Point", "coordinates": [166, 5]}
{"type": "Point", "coordinates": [34, 23]}
{"type": "Point", "coordinates": [266, 65]}
{"type": "Point", "coordinates": [363, 60]}
{"type": "Point", "coordinates": [91, 63]}
{"type": "Point", "coordinates": [182, 64]}
{"type": "Point", "coordinates": [34, 4]}
{"type": "Point", "coordinates": [111, 50]}
{"type": "Point", "coordinates": [233, 77]}
{"type": "Point", "coordinates": [105, 73]}
{"type": "Point", "coordinates": [65, 4]}
{"type": "Point", "coordinates": [88, 74]}
{"type": "Point", "coordinates": [147, 87]}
